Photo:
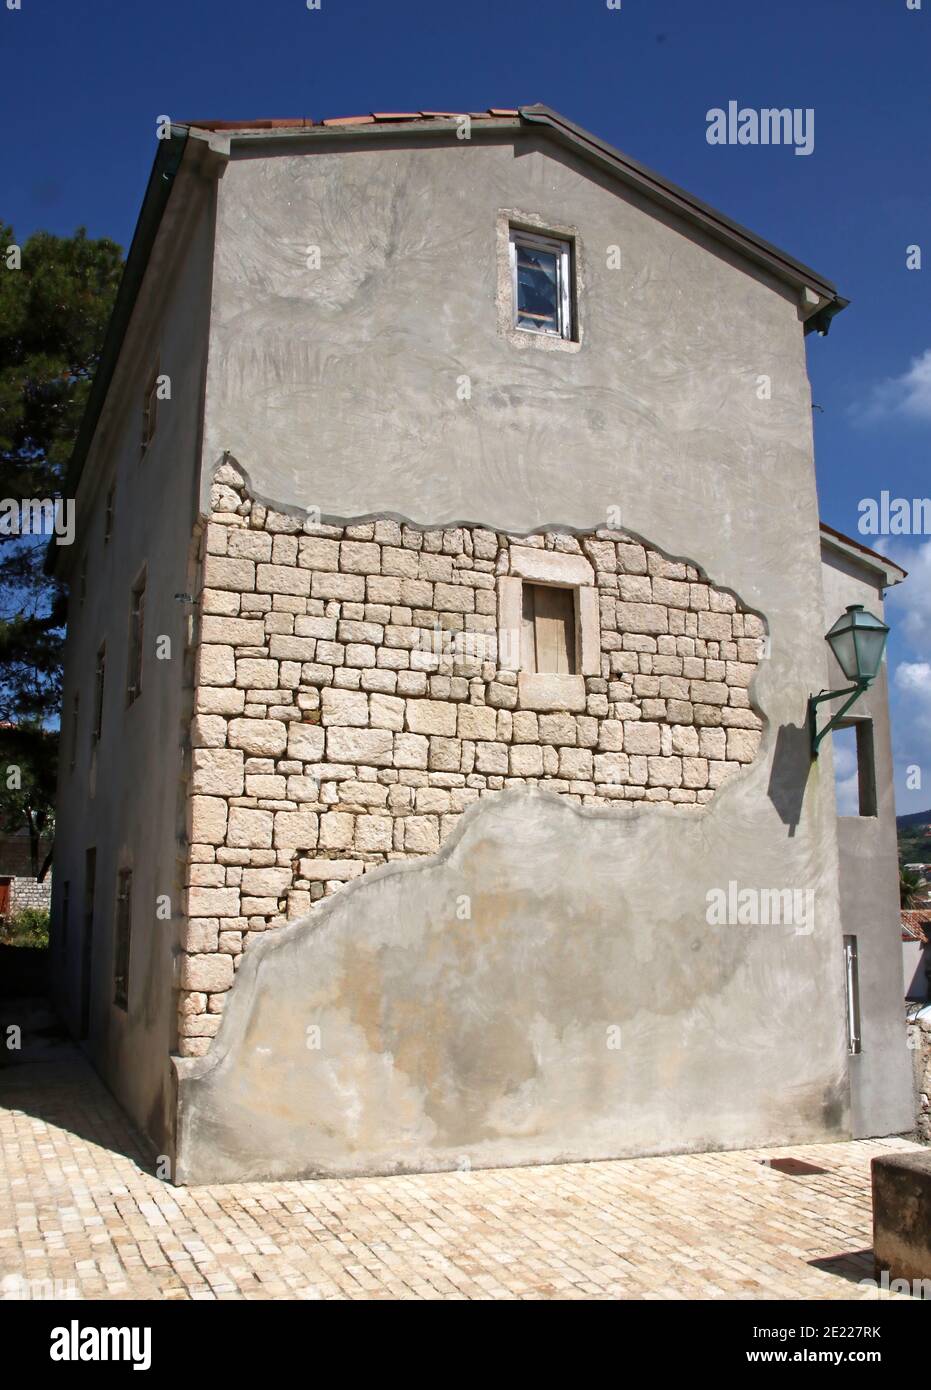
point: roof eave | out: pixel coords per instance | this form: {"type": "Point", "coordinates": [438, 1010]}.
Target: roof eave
{"type": "Point", "coordinates": [870, 559]}
{"type": "Point", "coordinates": [677, 199]}
{"type": "Point", "coordinates": [158, 190]}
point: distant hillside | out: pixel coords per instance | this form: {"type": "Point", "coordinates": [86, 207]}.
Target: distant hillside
{"type": "Point", "coordinates": [914, 837]}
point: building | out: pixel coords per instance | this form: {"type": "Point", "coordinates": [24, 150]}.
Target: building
{"type": "Point", "coordinates": [916, 954]}
{"type": "Point", "coordinates": [436, 787]}
{"type": "Point", "coordinates": [20, 886]}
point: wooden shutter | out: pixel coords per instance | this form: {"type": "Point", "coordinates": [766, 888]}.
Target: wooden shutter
{"type": "Point", "coordinates": [548, 629]}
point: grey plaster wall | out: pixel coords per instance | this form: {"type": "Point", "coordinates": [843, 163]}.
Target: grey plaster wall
{"type": "Point", "coordinates": [124, 797]}
{"type": "Point", "coordinates": [573, 1013]}
{"type": "Point", "coordinates": [337, 388]}
{"type": "Point", "coordinates": [881, 1098]}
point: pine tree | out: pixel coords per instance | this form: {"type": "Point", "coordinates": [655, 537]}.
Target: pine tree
{"type": "Point", "coordinates": [56, 294]}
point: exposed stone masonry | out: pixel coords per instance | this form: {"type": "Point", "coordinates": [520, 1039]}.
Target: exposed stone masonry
{"type": "Point", "coordinates": [351, 702]}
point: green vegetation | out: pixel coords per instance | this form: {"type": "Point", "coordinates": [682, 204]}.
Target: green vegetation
{"type": "Point", "coordinates": [28, 927]}
{"type": "Point", "coordinates": [910, 891]}
{"type": "Point", "coordinates": [55, 298]}
{"type": "Point", "coordinates": [915, 838]}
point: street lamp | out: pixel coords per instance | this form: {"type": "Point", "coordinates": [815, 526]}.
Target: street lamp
{"type": "Point", "coordinates": [858, 640]}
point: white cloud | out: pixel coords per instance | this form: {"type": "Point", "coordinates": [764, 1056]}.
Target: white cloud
{"type": "Point", "coordinates": [908, 395]}
{"type": "Point", "coordinates": [914, 677]}
{"type": "Point", "coordinates": [910, 602]}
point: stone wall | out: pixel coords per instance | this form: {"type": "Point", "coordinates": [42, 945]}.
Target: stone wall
{"type": "Point", "coordinates": [919, 1043]}
{"type": "Point", "coordinates": [29, 892]}
{"type": "Point", "coordinates": [15, 863]}
{"type": "Point", "coordinates": [358, 687]}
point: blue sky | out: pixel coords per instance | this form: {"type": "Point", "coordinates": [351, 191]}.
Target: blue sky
{"type": "Point", "coordinates": [82, 83]}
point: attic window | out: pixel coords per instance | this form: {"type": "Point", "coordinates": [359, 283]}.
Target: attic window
{"type": "Point", "coordinates": [541, 282]}
{"type": "Point", "coordinates": [548, 629]}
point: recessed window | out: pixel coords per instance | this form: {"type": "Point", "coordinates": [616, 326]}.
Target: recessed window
{"type": "Point", "coordinates": [75, 716]}
{"type": "Point", "coordinates": [87, 941]}
{"type": "Point", "coordinates": [548, 641]}
{"type": "Point", "coordinates": [852, 983]}
{"type": "Point", "coordinates": [541, 282]}
{"type": "Point", "coordinates": [108, 515]}
{"type": "Point", "coordinates": [124, 915]}
{"type": "Point", "coordinates": [150, 411]}
{"type": "Point", "coordinates": [99, 678]}
{"type": "Point", "coordinates": [136, 632]}
{"type": "Point", "coordinates": [65, 913]}
{"type": "Point", "coordinates": [854, 768]}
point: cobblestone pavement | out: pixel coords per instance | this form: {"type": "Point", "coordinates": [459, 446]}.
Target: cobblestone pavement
{"type": "Point", "coordinates": [80, 1207]}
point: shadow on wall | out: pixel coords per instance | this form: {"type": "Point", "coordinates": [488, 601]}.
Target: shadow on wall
{"type": "Point", "coordinates": [789, 774]}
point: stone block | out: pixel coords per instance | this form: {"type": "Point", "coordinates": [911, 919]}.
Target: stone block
{"type": "Point", "coordinates": [902, 1215]}
{"type": "Point", "coordinates": [224, 573]}
{"type": "Point", "coordinates": [369, 747]}
{"type": "Point", "coordinates": [525, 760]}
{"type": "Point", "coordinates": [359, 557]}
{"type": "Point", "coordinates": [347, 708]}
{"type": "Point", "coordinates": [249, 829]}
{"type": "Point", "coordinates": [645, 618]}
{"type": "Point", "coordinates": [264, 738]}
{"type": "Point", "coordinates": [373, 833]}
{"type": "Point", "coordinates": [255, 673]}
{"type": "Point", "coordinates": [216, 665]}
{"type": "Point", "coordinates": [266, 883]}
{"type": "Point", "coordinates": [324, 870]}
{"type": "Point", "coordinates": [545, 691]}
{"type": "Point", "coordinates": [305, 742]}
{"type": "Point", "coordinates": [431, 717]}
{"type": "Point", "coordinates": [282, 579]}
{"type": "Point", "coordinates": [477, 721]}
{"type": "Point", "coordinates": [207, 973]}
{"type": "Point", "coordinates": [207, 816]}
{"type": "Point", "coordinates": [411, 751]}
{"type": "Point", "coordinates": [296, 830]}
{"type": "Point", "coordinates": [211, 902]}
{"type": "Point", "coordinates": [491, 758]}
{"type": "Point", "coordinates": [641, 737]}
{"type": "Point", "coordinates": [217, 771]}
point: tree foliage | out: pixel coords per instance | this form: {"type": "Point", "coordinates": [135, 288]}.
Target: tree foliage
{"type": "Point", "coordinates": [56, 294]}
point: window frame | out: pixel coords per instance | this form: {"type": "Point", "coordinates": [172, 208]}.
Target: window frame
{"type": "Point", "coordinates": [109, 506]}
{"type": "Point", "coordinates": [563, 248]}
{"type": "Point", "coordinates": [530, 660]}
{"type": "Point", "coordinates": [136, 639]}
{"type": "Point", "coordinates": [852, 996]}
{"type": "Point", "coordinates": [100, 676]}
{"type": "Point", "coordinates": [75, 725]}
{"type": "Point", "coordinates": [122, 938]}
{"type": "Point", "coordinates": [87, 940]}
{"type": "Point", "coordinates": [867, 791]}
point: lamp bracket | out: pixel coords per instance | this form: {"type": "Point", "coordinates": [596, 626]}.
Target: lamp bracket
{"type": "Point", "coordinates": [854, 691]}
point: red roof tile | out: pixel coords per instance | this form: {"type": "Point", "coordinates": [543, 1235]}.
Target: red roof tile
{"type": "Point", "coordinates": [916, 925]}
{"type": "Point", "coordinates": [283, 122]}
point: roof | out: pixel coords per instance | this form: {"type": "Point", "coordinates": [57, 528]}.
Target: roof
{"type": "Point", "coordinates": [894, 574]}
{"type": "Point", "coordinates": [659, 189]}
{"type": "Point", "coordinates": [822, 295]}
{"type": "Point", "coordinates": [916, 925]}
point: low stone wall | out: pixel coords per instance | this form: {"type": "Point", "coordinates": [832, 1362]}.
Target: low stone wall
{"type": "Point", "coordinates": [919, 1043]}
{"type": "Point", "coordinates": [357, 687]}
{"type": "Point", "coordinates": [29, 892]}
